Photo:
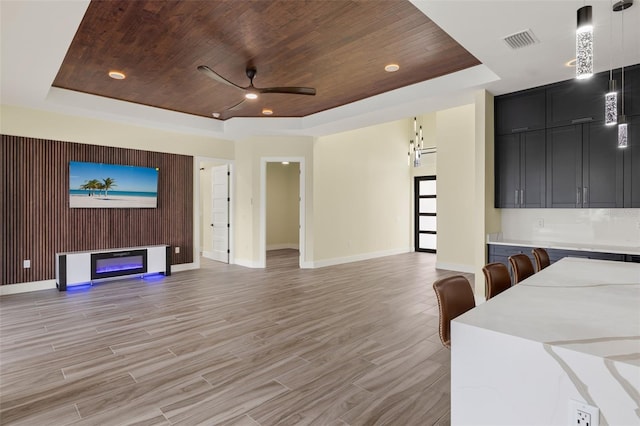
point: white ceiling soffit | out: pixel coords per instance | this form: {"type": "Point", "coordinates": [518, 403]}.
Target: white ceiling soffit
{"type": "Point", "coordinates": [481, 25]}
{"type": "Point", "coordinates": [35, 36]}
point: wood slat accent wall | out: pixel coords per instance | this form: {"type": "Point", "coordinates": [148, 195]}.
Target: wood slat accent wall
{"type": "Point", "coordinates": [37, 222]}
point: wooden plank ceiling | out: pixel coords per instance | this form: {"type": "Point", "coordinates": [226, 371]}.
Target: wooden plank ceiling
{"type": "Point", "coordinates": [338, 47]}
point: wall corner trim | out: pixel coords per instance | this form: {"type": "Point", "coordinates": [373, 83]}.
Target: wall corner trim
{"type": "Point", "coordinates": [469, 269]}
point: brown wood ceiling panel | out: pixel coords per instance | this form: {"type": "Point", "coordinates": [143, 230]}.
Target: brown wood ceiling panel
{"type": "Point", "coordinates": [339, 47]}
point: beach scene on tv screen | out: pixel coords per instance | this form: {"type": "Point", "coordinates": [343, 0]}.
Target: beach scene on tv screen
{"type": "Point", "coordinates": [97, 185]}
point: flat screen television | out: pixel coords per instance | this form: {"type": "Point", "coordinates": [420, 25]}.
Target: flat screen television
{"type": "Point", "coordinates": [97, 185]}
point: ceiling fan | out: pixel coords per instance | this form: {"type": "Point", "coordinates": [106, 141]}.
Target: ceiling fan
{"type": "Point", "coordinates": [252, 92]}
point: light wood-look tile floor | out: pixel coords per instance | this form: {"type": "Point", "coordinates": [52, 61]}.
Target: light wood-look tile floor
{"type": "Point", "coordinates": [351, 344]}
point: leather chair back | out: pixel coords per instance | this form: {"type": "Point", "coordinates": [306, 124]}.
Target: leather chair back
{"type": "Point", "coordinates": [521, 266]}
{"type": "Point", "coordinates": [496, 279]}
{"type": "Point", "coordinates": [455, 297]}
{"type": "Point", "coordinates": [542, 258]}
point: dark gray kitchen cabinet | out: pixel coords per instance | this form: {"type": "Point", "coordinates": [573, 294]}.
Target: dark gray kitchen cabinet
{"type": "Point", "coordinates": [520, 170]}
{"type": "Point", "coordinates": [632, 164]}
{"type": "Point", "coordinates": [576, 101]}
{"type": "Point", "coordinates": [584, 167]}
{"type": "Point", "coordinates": [500, 253]}
{"type": "Point", "coordinates": [631, 89]}
{"type": "Point", "coordinates": [520, 111]}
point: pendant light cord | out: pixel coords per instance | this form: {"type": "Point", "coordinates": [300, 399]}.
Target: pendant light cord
{"type": "Point", "coordinates": [611, 41]}
{"type": "Point", "coordinates": [622, 92]}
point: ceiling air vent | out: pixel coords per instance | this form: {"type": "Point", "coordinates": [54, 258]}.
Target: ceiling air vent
{"type": "Point", "coordinates": [521, 39]}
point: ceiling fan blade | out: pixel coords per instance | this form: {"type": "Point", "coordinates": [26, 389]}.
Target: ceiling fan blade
{"type": "Point", "coordinates": [217, 77]}
{"type": "Point", "coordinates": [236, 106]}
{"type": "Point", "coordinates": [289, 90]}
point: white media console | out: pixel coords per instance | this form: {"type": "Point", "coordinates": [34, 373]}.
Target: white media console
{"type": "Point", "coordinates": [88, 266]}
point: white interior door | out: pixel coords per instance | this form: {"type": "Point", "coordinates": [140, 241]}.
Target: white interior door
{"type": "Point", "coordinates": [220, 213]}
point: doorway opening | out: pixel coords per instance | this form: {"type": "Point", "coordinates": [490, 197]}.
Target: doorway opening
{"type": "Point", "coordinates": [282, 211]}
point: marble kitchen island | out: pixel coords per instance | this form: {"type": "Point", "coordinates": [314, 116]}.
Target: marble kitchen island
{"type": "Point", "coordinates": [569, 332]}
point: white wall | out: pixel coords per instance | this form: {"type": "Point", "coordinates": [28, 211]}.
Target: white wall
{"type": "Point", "coordinates": [249, 155]}
{"type": "Point", "coordinates": [31, 123]}
{"type": "Point", "coordinates": [487, 216]}
{"type": "Point", "coordinates": [362, 194]}
{"type": "Point", "coordinates": [455, 169]}
{"type": "Point", "coordinates": [283, 208]}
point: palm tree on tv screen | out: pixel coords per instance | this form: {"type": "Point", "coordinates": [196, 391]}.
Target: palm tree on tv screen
{"type": "Point", "coordinates": [107, 184]}
{"type": "Point", "coordinates": [91, 185]}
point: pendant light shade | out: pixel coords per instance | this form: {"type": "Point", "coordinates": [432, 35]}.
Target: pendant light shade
{"type": "Point", "coordinates": [584, 44]}
{"type": "Point", "coordinates": [623, 142]}
{"type": "Point", "coordinates": [623, 126]}
{"type": "Point", "coordinates": [611, 105]}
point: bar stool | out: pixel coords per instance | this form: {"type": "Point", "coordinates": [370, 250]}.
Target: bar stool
{"type": "Point", "coordinates": [455, 297]}
{"type": "Point", "coordinates": [496, 279]}
{"type": "Point", "coordinates": [542, 258]}
{"type": "Point", "coordinates": [521, 266]}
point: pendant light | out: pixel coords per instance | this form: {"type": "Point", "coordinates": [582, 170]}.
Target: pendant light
{"type": "Point", "coordinates": [417, 150]}
{"type": "Point", "coordinates": [611, 97]}
{"type": "Point", "coordinates": [623, 126]}
{"type": "Point", "coordinates": [584, 44]}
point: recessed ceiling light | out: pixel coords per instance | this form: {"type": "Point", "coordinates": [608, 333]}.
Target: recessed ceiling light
{"type": "Point", "coordinates": [215, 114]}
{"type": "Point", "coordinates": [571, 63]}
{"type": "Point", "coordinates": [392, 68]}
{"type": "Point", "coordinates": [267, 111]}
{"type": "Point", "coordinates": [117, 75]}
{"type": "Point", "coordinates": [251, 95]}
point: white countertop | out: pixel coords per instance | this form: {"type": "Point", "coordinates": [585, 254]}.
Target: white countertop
{"type": "Point", "coordinates": [569, 333]}
{"type": "Point", "coordinates": [590, 306]}
{"type": "Point", "coordinates": [565, 246]}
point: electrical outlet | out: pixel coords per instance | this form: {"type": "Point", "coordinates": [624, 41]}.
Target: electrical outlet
{"type": "Point", "coordinates": [26, 264]}
{"type": "Point", "coordinates": [540, 223]}
{"type": "Point", "coordinates": [177, 250]}
{"type": "Point", "coordinates": [581, 414]}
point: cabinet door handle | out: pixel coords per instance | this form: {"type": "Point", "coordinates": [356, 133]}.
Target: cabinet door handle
{"type": "Point", "coordinates": [519, 129]}
{"type": "Point", "coordinates": [582, 120]}
{"type": "Point", "coordinates": [578, 196]}
{"type": "Point", "coordinates": [585, 193]}
{"type": "Point", "coordinates": [521, 196]}
{"type": "Point", "coordinates": [516, 202]}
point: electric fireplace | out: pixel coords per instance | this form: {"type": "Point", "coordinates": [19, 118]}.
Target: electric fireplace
{"type": "Point", "coordinates": [118, 263]}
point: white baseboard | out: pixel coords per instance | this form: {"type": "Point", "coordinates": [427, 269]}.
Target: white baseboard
{"type": "Point", "coordinates": [293, 246]}
{"type": "Point", "coordinates": [247, 263]}
{"type": "Point", "coordinates": [184, 267]}
{"type": "Point", "coordinates": [456, 267]}
{"type": "Point", "coordinates": [208, 255]}
{"type": "Point", "coordinates": [27, 287]}
{"type": "Point", "coordinates": [356, 258]}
